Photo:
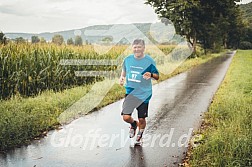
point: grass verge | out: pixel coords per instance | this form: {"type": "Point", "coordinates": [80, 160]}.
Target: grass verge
{"type": "Point", "coordinates": [227, 126]}
{"type": "Point", "coordinates": [25, 119]}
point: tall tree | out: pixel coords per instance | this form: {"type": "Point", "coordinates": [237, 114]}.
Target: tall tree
{"type": "Point", "coordinates": [237, 28]}
{"type": "Point", "coordinates": [247, 13]}
{"type": "Point", "coordinates": [3, 39]}
{"type": "Point", "coordinates": [58, 39]}
{"type": "Point", "coordinates": [247, 36]}
{"type": "Point", "coordinates": [70, 41]}
{"type": "Point", "coordinates": [35, 39]}
{"type": "Point", "coordinates": [221, 21]}
{"type": "Point", "coordinates": [78, 41]}
{"type": "Point", "coordinates": [209, 22]}
{"type": "Point", "coordinates": [183, 14]}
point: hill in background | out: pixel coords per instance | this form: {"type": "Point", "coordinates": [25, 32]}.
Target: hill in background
{"type": "Point", "coordinates": [247, 12]}
{"type": "Point", "coordinates": [143, 28]}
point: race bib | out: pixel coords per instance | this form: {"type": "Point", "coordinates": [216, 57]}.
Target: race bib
{"type": "Point", "coordinates": [134, 76]}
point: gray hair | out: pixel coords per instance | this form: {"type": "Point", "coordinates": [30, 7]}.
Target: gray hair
{"type": "Point", "coordinates": [138, 42]}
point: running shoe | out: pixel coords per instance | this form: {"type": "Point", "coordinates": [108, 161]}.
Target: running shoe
{"type": "Point", "coordinates": [132, 131]}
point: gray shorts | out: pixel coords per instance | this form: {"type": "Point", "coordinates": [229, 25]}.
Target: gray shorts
{"type": "Point", "coordinates": [131, 102]}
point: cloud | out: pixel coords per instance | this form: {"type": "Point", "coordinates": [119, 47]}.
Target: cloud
{"type": "Point", "coordinates": [9, 9]}
{"type": "Point", "coordinates": [57, 15]}
{"type": "Point", "coordinates": [246, 1]}
{"type": "Point", "coordinates": [30, 8]}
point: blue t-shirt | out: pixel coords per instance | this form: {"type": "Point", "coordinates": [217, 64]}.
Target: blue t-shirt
{"type": "Point", "coordinates": [136, 85]}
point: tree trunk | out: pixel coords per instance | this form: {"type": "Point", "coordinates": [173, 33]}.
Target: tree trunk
{"type": "Point", "coordinates": [225, 41]}
{"type": "Point", "coordinates": [194, 44]}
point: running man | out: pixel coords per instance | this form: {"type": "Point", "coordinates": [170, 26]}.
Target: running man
{"type": "Point", "coordinates": [138, 69]}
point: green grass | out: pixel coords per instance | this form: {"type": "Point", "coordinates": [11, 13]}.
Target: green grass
{"type": "Point", "coordinates": [228, 123]}
{"type": "Point", "coordinates": [23, 119]}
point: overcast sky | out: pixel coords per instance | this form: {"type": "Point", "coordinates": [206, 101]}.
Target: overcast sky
{"type": "Point", "coordinates": [36, 16]}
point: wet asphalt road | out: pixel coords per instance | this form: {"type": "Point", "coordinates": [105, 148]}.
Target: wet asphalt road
{"type": "Point", "coordinates": [101, 138]}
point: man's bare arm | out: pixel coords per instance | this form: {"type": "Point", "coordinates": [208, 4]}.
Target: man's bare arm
{"type": "Point", "coordinates": [149, 75]}
{"type": "Point", "coordinates": [122, 78]}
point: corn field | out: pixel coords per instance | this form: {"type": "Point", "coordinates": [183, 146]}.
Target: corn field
{"type": "Point", "coordinates": [28, 69]}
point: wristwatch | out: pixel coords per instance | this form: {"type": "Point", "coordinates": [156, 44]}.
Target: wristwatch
{"type": "Point", "coordinates": [151, 75]}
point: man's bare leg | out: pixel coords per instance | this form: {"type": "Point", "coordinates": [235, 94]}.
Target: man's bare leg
{"type": "Point", "coordinates": [142, 123]}
{"type": "Point", "coordinates": [133, 123]}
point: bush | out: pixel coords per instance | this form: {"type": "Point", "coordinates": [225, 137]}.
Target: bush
{"type": "Point", "coordinates": [245, 45]}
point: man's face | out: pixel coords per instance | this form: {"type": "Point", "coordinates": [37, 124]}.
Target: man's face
{"type": "Point", "coordinates": [138, 50]}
